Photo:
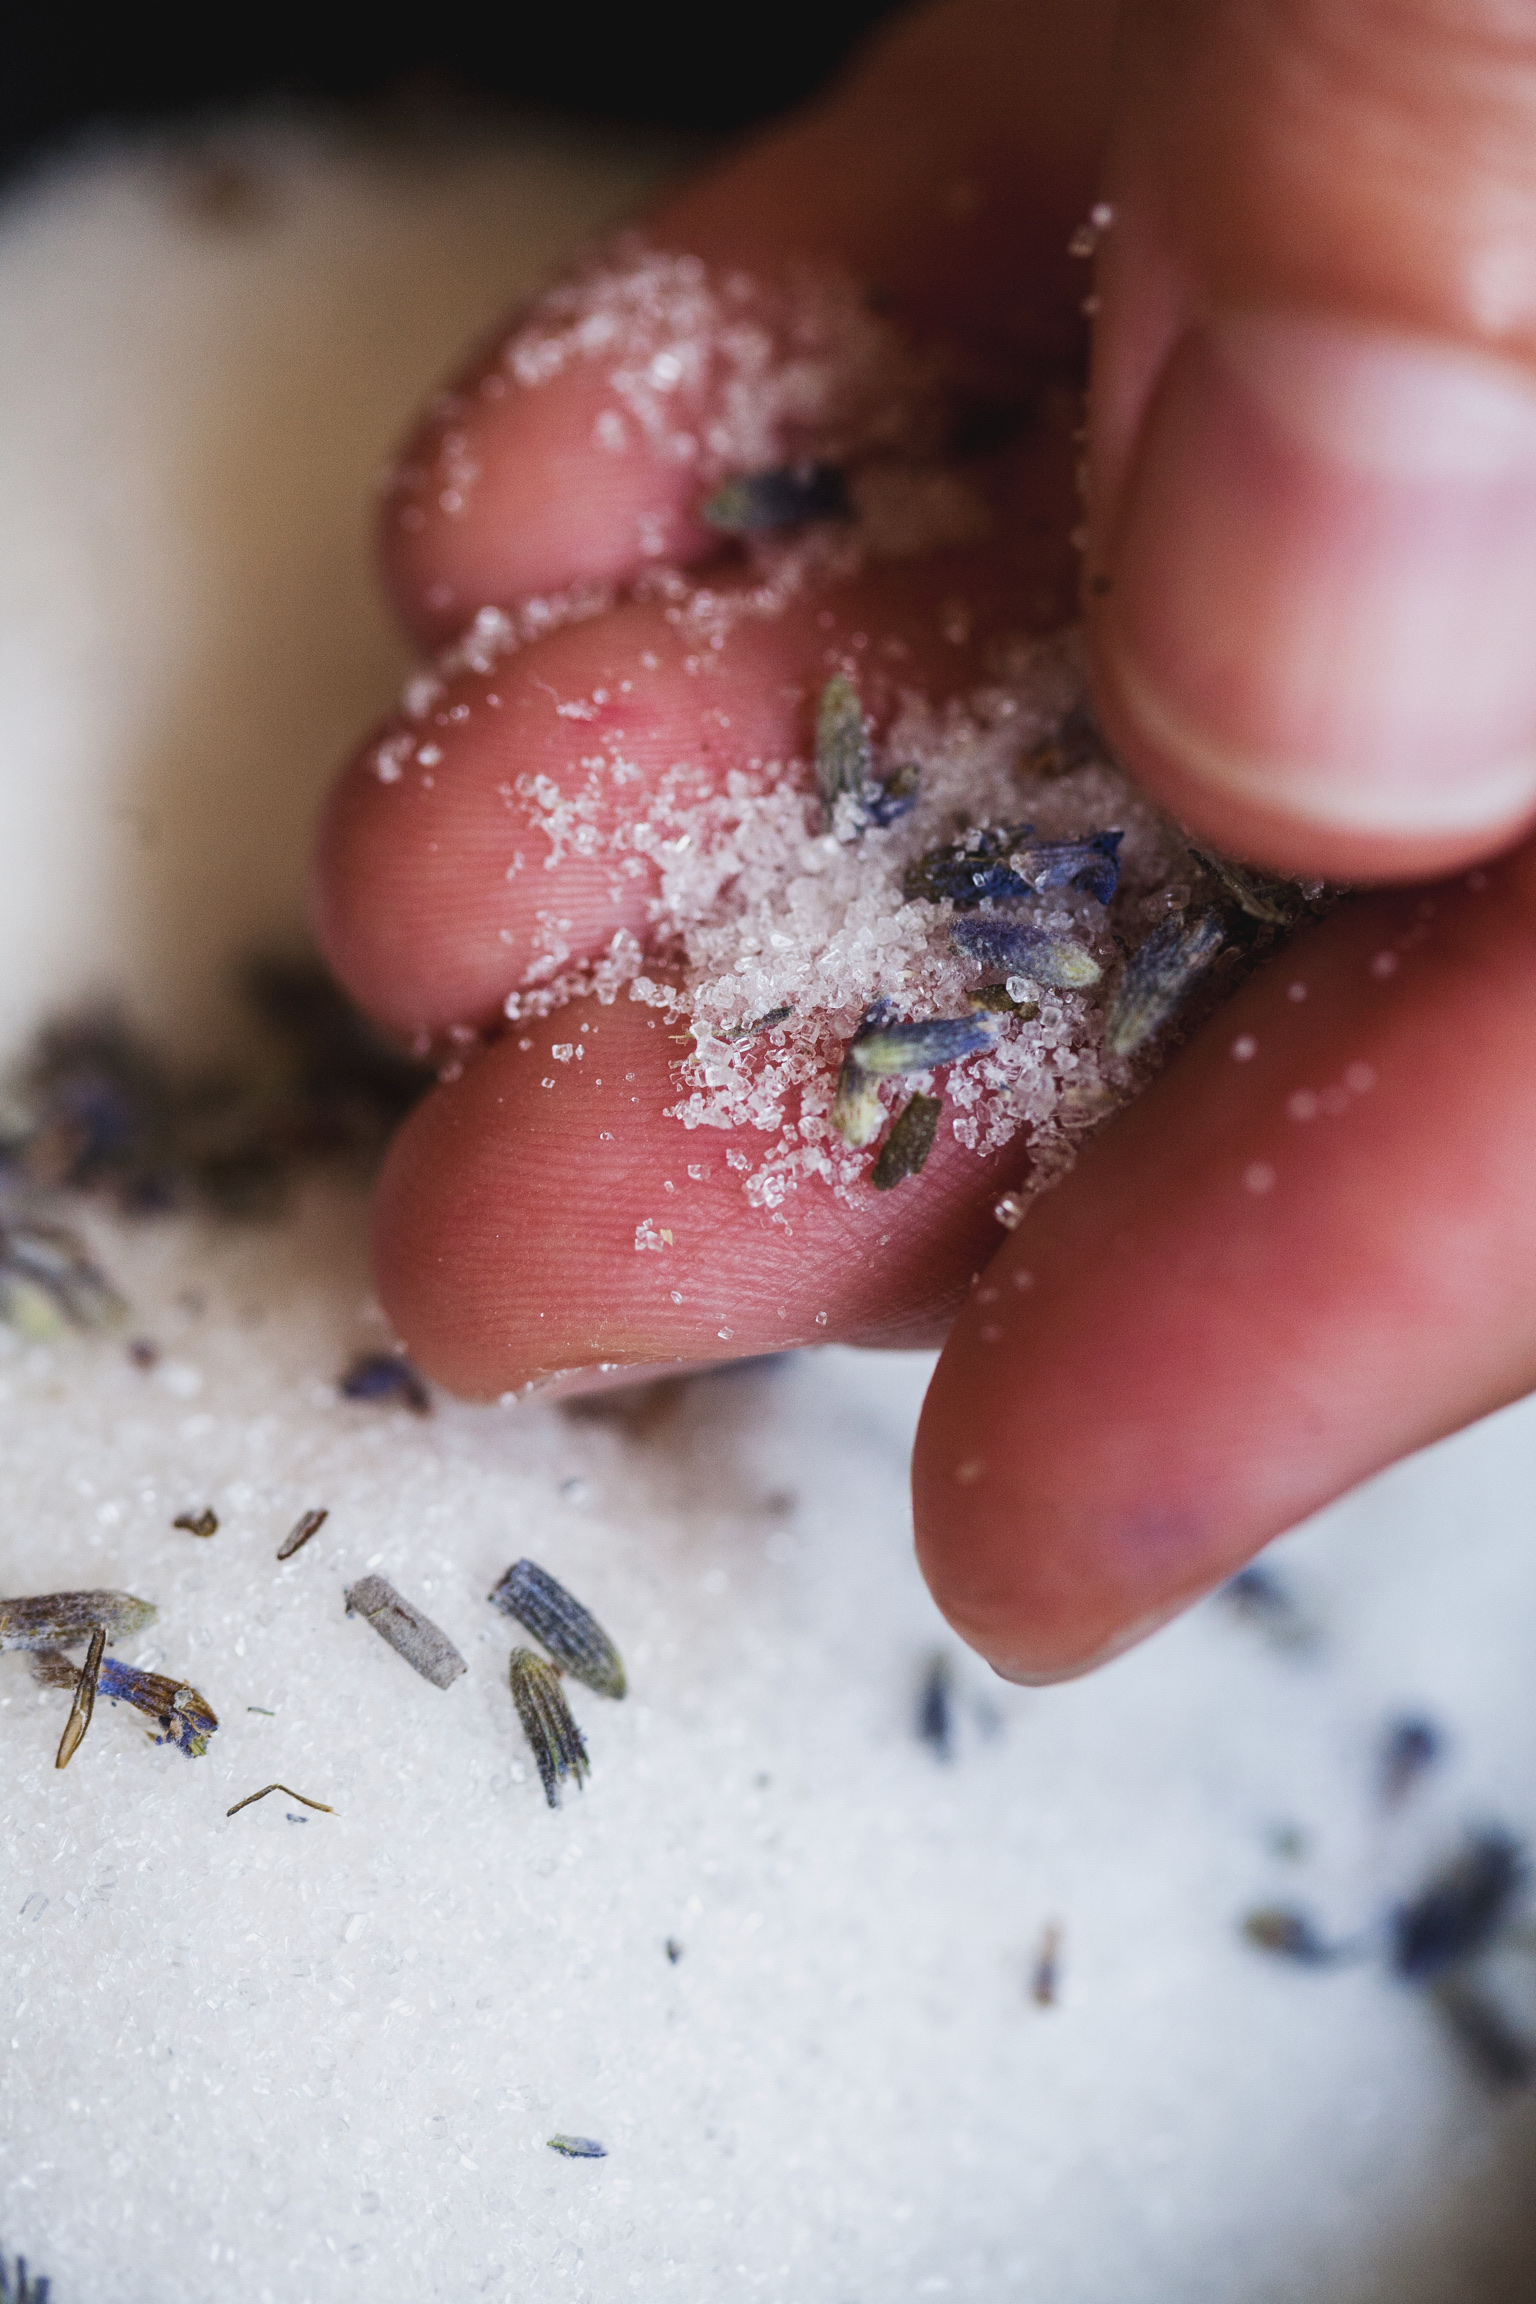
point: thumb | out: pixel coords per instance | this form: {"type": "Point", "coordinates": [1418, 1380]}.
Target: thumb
{"type": "Point", "coordinates": [1312, 468]}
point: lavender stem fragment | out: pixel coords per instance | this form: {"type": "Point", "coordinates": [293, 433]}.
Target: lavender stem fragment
{"type": "Point", "coordinates": [571, 1633]}
{"type": "Point", "coordinates": [578, 2147]}
{"type": "Point", "coordinates": [411, 1635]}
{"type": "Point", "coordinates": [553, 1736]}
{"type": "Point", "coordinates": [65, 1619]}
{"type": "Point", "coordinates": [1276, 902]}
{"type": "Point", "coordinates": [1157, 975]}
{"type": "Point", "coordinates": [905, 1151]}
{"type": "Point", "coordinates": [307, 1524]}
{"type": "Point", "coordinates": [84, 1700]}
{"type": "Point", "coordinates": [204, 1523]}
{"type": "Point", "coordinates": [1021, 950]}
{"type": "Point", "coordinates": [323, 1806]}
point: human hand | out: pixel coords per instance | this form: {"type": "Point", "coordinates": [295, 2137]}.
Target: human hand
{"type": "Point", "coordinates": [1307, 587]}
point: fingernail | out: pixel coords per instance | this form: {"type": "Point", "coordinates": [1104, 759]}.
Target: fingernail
{"type": "Point", "coordinates": [1324, 567]}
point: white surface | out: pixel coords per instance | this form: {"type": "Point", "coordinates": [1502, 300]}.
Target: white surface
{"type": "Point", "coordinates": [294, 2064]}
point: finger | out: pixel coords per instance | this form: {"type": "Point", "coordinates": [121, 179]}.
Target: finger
{"type": "Point", "coordinates": [543, 1222]}
{"type": "Point", "coordinates": [1305, 1252]}
{"type": "Point", "coordinates": [1313, 438]}
{"type": "Point", "coordinates": [515, 827]}
{"type": "Point", "coordinates": [948, 169]}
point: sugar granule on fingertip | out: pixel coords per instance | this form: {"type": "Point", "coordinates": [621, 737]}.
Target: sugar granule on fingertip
{"type": "Point", "coordinates": [412, 1635]}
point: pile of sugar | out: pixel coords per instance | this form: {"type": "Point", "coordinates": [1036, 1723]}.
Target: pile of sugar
{"type": "Point", "coordinates": [295, 2063]}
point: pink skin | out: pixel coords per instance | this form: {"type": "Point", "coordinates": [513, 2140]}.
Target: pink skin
{"type": "Point", "coordinates": [1231, 1313]}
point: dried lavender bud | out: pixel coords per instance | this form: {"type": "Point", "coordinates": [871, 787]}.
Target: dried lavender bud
{"type": "Point", "coordinates": [1157, 975]}
{"type": "Point", "coordinates": [1501, 2054]}
{"type": "Point", "coordinates": [995, 942]}
{"type": "Point", "coordinates": [204, 1523]}
{"type": "Point", "coordinates": [1045, 1982]}
{"type": "Point", "coordinates": [578, 2147]}
{"type": "Point", "coordinates": [1409, 1747]}
{"type": "Point", "coordinates": [845, 765]}
{"type": "Point", "coordinates": [673, 1950]}
{"type": "Point", "coordinates": [1258, 1595]}
{"type": "Point", "coordinates": [307, 1524]}
{"type": "Point", "coordinates": [386, 1376]}
{"type": "Point", "coordinates": [763, 1023]}
{"type": "Point", "coordinates": [1007, 862]}
{"type": "Point", "coordinates": [65, 1619]}
{"type": "Point", "coordinates": [1292, 1935]}
{"type": "Point", "coordinates": [553, 1736]}
{"type": "Point", "coordinates": [33, 2290]}
{"type": "Point", "coordinates": [845, 760]}
{"type": "Point", "coordinates": [879, 1051]}
{"type": "Point", "coordinates": [750, 502]}
{"type": "Point", "coordinates": [251, 1797]}
{"type": "Point", "coordinates": [905, 1151]}
{"type": "Point", "coordinates": [1460, 1910]}
{"type": "Point", "coordinates": [1276, 902]}
{"type": "Point", "coordinates": [186, 1718]}
{"type": "Point", "coordinates": [48, 1282]}
{"type": "Point", "coordinates": [571, 1633]}
{"type": "Point", "coordinates": [1073, 745]}
{"type": "Point", "coordinates": [412, 1635]}
{"type": "Point", "coordinates": [935, 1715]}
{"type": "Point", "coordinates": [1091, 863]}
{"type": "Point", "coordinates": [85, 1700]}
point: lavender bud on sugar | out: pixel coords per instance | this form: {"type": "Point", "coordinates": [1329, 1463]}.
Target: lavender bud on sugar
{"type": "Point", "coordinates": [65, 1619]}
{"type": "Point", "coordinates": [553, 1736]}
{"type": "Point", "coordinates": [186, 1718]}
{"type": "Point", "coordinates": [751, 502]}
{"type": "Point", "coordinates": [571, 1633]}
{"type": "Point", "coordinates": [578, 2147]}
{"type": "Point", "coordinates": [1501, 2054]}
{"type": "Point", "coordinates": [1408, 1748]}
{"type": "Point", "coordinates": [1292, 1936]}
{"type": "Point", "coordinates": [1007, 863]}
{"type": "Point", "coordinates": [386, 1376]}
{"type": "Point", "coordinates": [48, 1282]}
{"type": "Point", "coordinates": [993, 941]}
{"type": "Point", "coordinates": [411, 1635]}
{"type": "Point", "coordinates": [1460, 1910]}
{"type": "Point", "coordinates": [905, 1151]}
{"type": "Point", "coordinates": [1157, 975]}
{"type": "Point", "coordinates": [763, 1023]}
{"type": "Point", "coordinates": [1075, 743]}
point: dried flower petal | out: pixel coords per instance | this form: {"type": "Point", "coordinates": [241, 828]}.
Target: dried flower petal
{"type": "Point", "coordinates": [1157, 975]}
{"type": "Point", "coordinates": [905, 1151]}
{"type": "Point", "coordinates": [85, 1700]}
{"type": "Point", "coordinates": [751, 502]}
{"type": "Point", "coordinates": [571, 1633]}
{"type": "Point", "coordinates": [993, 941]}
{"type": "Point", "coordinates": [553, 1736]}
{"type": "Point", "coordinates": [411, 1635]}
{"type": "Point", "coordinates": [65, 1619]}
{"type": "Point", "coordinates": [307, 1524]}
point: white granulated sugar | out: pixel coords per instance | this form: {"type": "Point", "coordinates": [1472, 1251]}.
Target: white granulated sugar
{"type": "Point", "coordinates": [300, 2062]}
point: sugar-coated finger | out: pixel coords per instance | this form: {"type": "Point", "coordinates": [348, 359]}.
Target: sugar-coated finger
{"type": "Point", "coordinates": [1307, 1251]}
